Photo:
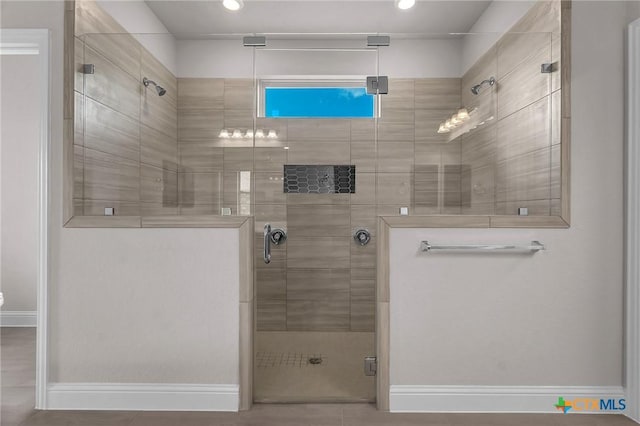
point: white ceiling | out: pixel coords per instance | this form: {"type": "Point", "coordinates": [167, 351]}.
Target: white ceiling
{"type": "Point", "coordinates": [193, 19]}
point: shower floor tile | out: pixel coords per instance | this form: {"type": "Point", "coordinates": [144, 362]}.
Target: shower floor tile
{"type": "Point", "coordinates": [312, 367]}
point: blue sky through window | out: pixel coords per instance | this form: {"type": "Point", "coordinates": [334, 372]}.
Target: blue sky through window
{"type": "Point", "coordinates": [318, 102]}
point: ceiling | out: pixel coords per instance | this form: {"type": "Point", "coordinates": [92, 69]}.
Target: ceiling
{"type": "Point", "coordinates": [193, 19]}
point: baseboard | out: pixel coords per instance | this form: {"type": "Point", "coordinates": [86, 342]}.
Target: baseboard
{"type": "Point", "coordinates": [142, 397]}
{"type": "Point", "coordinates": [18, 318]}
{"type": "Point", "coordinates": [494, 399]}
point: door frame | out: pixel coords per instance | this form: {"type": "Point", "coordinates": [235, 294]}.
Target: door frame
{"type": "Point", "coordinates": [37, 42]}
{"type": "Point", "coordinates": [632, 219]}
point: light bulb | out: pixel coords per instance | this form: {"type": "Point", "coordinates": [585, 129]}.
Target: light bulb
{"type": "Point", "coordinates": [405, 4]}
{"type": "Point", "coordinates": [443, 129]}
{"type": "Point", "coordinates": [236, 134]}
{"type": "Point", "coordinates": [233, 4]}
{"type": "Point", "coordinates": [224, 133]}
{"type": "Point", "coordinates": [259, 134]}
{"type": "Point", "coordinates": [463, 114]}
{"type": "Point", "coordinates": [249, 134]}
{"type": "Point", "coordinates": [454, 120]}
{"type": "Point", "coordinates": [272, 134]}
{"type": "Point", "coordinates": [448, 125]}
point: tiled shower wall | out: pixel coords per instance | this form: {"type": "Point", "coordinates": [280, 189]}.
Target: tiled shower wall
{"type": "Point", "coordinates": [515, 161]}
{"type": "Point", "coordinates": [319, 279]}
{"type": "Point", "coordinates": [125, 143]}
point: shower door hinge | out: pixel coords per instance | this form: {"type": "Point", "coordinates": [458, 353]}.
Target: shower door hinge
{"type": "Point", "coordinates": [378, 41]}
{"type": "Point", "coordinates": [548, 68]}
{"type": "Point", "coordinates": [254, 41]}
{"type": "Point", "coordinates": [370, 366]}
{"type": "Point", "coordinates": [88, 69]}
{"type": "Point", "coordinates": [378, 85]}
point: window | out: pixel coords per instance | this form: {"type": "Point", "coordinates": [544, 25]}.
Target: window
{"type": "Point", "coordinates": [315, 101]}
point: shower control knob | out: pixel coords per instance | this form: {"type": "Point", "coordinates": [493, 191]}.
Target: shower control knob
{"type": "Point", "coordinates": [278, 236]}
{"type": "Point", "coordinates": [362, 237]}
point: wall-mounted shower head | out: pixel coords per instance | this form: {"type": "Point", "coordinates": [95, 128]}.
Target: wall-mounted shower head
{"type": "Point", "coordinates": [476, 89]}
{"type": "Point", "coordinates": [161, 90]}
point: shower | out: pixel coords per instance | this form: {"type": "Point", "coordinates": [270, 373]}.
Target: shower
{"type": "Point", "coordinates": [476, 89]}
{"type": "Point", "coordinates": [161, 90]}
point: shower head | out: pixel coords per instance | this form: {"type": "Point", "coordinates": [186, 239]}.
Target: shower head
{"type": "Point", "coordinates": [476, 89]}
{"type": "Point", "coordinates": [161, 90]}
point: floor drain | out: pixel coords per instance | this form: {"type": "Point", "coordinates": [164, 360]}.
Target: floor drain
{"type": "Point", "coordinates": [315, 360]}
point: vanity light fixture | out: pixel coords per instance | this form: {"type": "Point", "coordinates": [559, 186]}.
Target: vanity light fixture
{"type": "Point", "coordinates": [405, 4]}
{"type": "Point", "coordinates": [237, 134]}
{"type": "Point", "coordinates": [233, 4]}
{"type": "Point", "coordinates": [259, 134]}
{"type": "Point", "coordinates": [456, 120]}
{"type": "Point", "coordinates": [272, 134]}
{"type": "Point", "coordinates": [224, 133]}
{"type": "Point", "coordinates": [248, 134]}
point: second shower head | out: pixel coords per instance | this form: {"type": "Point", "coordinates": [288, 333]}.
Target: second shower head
{"type": "Point", "coordinates": [161, 90]}
{"type": "Point", "coordinates": [476, 89]}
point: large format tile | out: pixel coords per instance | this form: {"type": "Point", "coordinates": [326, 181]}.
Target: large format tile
{"type": "Point", "coordinates": [107, 177]}
{"type": "Point", "coordinates": [159, 113]}
{"type": "Point", "coordinates": [154, 70]}
{"type": "Point", "coordinates": [320, 315]}
{"type": "Point", "coordinates": [395, 157]}
{"type": "Point", "coordinates": [394, 189]}
{"type": "Point", "coordinates": [238, 93]}
{"type": "Point", "coordinates": [112, 86]}
{"type": "Point", "coordinates": [527, 130]}
{"type": "Point", "coordinates": [201, 93]}
{"type": "Point", "coordinates": [199, 188]}
{"type": "Point", "coordinates": [324, 130]}
{"type": "Point", "coordinates": [321, 252]}
{"type": "Point", "coordinates": [318, 152]}
{"type": "Point", "coordinates": [109, 131]}
{"type": "Point", "coordinates": [437, 93]}
{"type": "Point", "coordinates": [318, 220]}
{"type": "Point", "coordinates": [318, 284]}
{"type": "Point", "coordinates": [194, 124]}
{"type": "Point", "coordinates": [158, 149]}
{"type": "Point", "coordinates": [158, 186]}
{"type": "Point", "coordinates": [200, 156]}
{"type": "Point", "coordinates": [121, 49]}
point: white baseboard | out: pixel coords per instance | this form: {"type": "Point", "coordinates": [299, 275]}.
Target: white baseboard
{"type": "Point", "coordinates": [142, 397]}
{"type": "Point", "coordinates": [492, 399]}
{"type": "Point", "coordinates": [18, 318]}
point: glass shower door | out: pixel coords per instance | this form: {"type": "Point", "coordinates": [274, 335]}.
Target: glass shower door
{"type": "Point", "coordinates": [315, 181]}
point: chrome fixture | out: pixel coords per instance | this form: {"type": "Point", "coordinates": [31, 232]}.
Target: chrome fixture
{"type": "Point", "coordinates": [267, 244]}
{"type": "Point", "coordinates": [378, 85]}
{"type": "Point", "coordinates": [534, 247]}
{"type": "Point", "coordinates": [161, 90]}
{"type": "Point", "coordinates": [378, 41]}
{"type": "Point", "coordinates": [233, 4]}
{"type": "Point", "coordinates": [476, 89]}
{"type": "Point", "coordinates": [88, 69]}
{"type": "Point", "coordinates": [254, 41]}
{"type": "Point", "coordinates": [278, 236]}
{"type": "Point", "coordinates": [362, 237]}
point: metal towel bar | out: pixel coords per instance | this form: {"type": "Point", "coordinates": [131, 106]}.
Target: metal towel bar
{"type": "Point", "coordinates": [534, 247]}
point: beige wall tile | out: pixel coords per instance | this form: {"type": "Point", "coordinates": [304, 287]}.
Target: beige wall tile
{"type": "Point", "coordinates": [363, 256]}
{"type": "Point", "coordinates": [364, 216]}
{"type": "Point", "coordinates": [363, 130]}
{"type": "Point", "coordinates": [324, 130]}
{"type": "Point", "coordinates": [198, 209]}
{"type": "Point", "coordinates": [78, 52]}
{"type": "Point", "coordinates": [524, 131]}
{"type": "Point", "coordinates": [158, 149]}
{"type": "Point", "coordinates": [394, 189]}
{"type": "Point", "coordinates": [478, 186]}
{"type": "Point", "coordinates": [556, 168]}
{"type": "Point", "coordinates": [238, 93]}
{"type": "Point", "coordinates": [484, 68]}
{"type": "Point", "coordinates": [428, 122]}
{"type": "Point", "coordinates": [269, 159]}
{"type": "Point", "coordinates": [363, 285]}
{"type": "Point", "coordinates": [269, 188]}
{"type": "Point", "coordinates": [536, 207]}
{"type": "Point", "coordinates": [324, 253]}
{"type": "Point", "coordinates": [109, 131]}
{"type": "Point", "coordinates": [515, 48]}
{"type": "Point", "coordinates": [326, 199]}
{"type": "Point", "coordinates": [318, 315]}
{"type": "Point", "coordinates": [363, 155]}
{"type": "Point", "coordinates": [437, 93]}
{"type": "Point", "coordinates": [524, 85]}
{"type": "Point", "coordinates": [78, 119]}
{"type": "Point", "coordinates": [241, 119]}
{"type": "Point", "coordinates": [318, 285]}
{"type": "Point", "coordinates": [107, 177]}
{"type": "Point", "coordinates": [120, 49]}
{"type": "Point", "coordinates": [271, 315]}
{"type": "Point", "coordinates": [158, 209]}
{"type": "Point", "coordinates": [275, 214]}
{"type": "Point", "coordinates": [200, 156]}
{"type": "Point", "coordinates": [237, 188]}
{"type": "Point", "coordinates": [525, 177]}
{"type": "Point", "coordinates": [112, 86]}
{"type": "Point", "coordinates": [199, 188]}
{"type": "Point", "coordinates": [398, 105]}
{"type": "Point", "coordinates": [318, 220]}
{"type": "Point", "coordinates": [365, 189]}
{"type": "Point", "coordinates": [271, 283]}
{"type": "Point", "coordinates": [238, 159]}
{"type": "Point", "coordinates": [159, 114]}
{"type": "Point", "coordinates": [395, 157]}
{"type": "Point", "coordinates": [319, 153]}
{"type": "Point", "coordinates": [201, 93]}
{"type": "Point", "coordinates": [390, 131]}
{"type": "Point", "coordinates": [158, 186]}
{"type": "Point", "coordinates": [478, 147]}
{"type": "Point", "coordinates": [544, 16]}
{"type": "Point", "coordinates": [363, 316]}
{"type": "Point", "coordinates": [199, 124]}
{"type": "Point", "coordinates": [78, 172]}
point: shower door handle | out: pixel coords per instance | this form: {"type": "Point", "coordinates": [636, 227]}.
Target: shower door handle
{"type": "Point", "coordinates": [267, 243]}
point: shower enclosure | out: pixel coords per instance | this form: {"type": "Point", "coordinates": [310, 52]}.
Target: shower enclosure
{"type": "Point", "coordinates": [308, 137]}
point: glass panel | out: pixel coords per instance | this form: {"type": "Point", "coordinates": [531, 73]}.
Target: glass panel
{"type": "Point", "coordinates": [315, 300]}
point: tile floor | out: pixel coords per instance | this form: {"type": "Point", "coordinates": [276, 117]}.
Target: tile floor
{"type": "Point", "coordinates": [17, 358]}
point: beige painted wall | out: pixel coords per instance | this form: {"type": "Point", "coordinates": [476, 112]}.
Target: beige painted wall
{"type": "Point", "coordinates": [21, 97]}
{"type": "Point", "coordinates": [86, 263]}
{"type": "Point", "coordinates": [551, 319]}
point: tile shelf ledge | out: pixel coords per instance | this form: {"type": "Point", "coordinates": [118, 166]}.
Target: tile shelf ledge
{"type": "Point", "coordinates": [212, 221]}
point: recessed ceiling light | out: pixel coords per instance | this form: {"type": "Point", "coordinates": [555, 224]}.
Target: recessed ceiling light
{"type": "Point", "coordinates": [233, 4]}
{"type": "Point", "coordinates": [405, 4]}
